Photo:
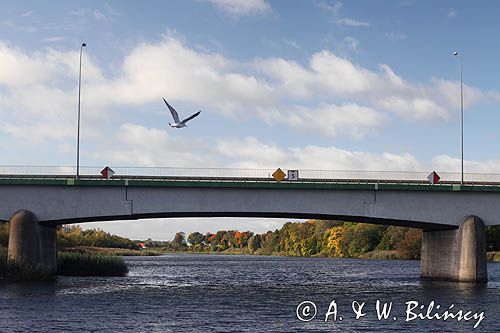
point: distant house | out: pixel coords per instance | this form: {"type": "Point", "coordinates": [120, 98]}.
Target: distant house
{"type": "Point", "coordinates": [141, 245]}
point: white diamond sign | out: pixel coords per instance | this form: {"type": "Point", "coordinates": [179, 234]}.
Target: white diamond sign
{"type": "Point", "coordinates": [433, 177]}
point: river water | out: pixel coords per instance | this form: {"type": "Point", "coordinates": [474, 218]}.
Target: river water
{"type": "Point", "coordinates": [220, 293]}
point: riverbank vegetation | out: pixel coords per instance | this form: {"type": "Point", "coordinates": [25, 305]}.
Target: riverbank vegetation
{"type": "Point", "coordinates": [310, 239]}
{"type": "Point", "coordinates": [109, 251]}
{"type": "Point", "coordinates": [69, 263]}
{"type": "Point", "coordinates": [78, 264]}
{"type": "Point", "coordinates": [316, 238]}
{"type": "Point", "coordinates": [20, 271]}
{"type": "Point", "coordinates": [73, 236]}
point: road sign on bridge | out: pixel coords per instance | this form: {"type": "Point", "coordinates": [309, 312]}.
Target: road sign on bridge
{"type": "Point", "coordinates": [107, 172]}
{"type": "Point", "coordinates": [433, 177]}
{"type": "Point", "coordinates": [279, 175]}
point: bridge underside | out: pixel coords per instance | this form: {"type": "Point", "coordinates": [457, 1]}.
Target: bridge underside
{"type": "Point", "coordinates": [304, 216]}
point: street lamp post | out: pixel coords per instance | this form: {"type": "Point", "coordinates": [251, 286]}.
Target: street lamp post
{"type": "Point", "coordinates": [78, 129]}
{"type": "Point", "coordinates": [462, 112]}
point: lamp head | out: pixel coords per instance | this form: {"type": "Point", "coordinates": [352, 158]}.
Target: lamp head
{"type": "Point", "coordinates": [455, 53]}
{"type": "Point", "coordinates": [83, 44]}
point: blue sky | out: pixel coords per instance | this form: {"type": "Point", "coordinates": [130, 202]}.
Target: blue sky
{"type": "Point", "coordinates": [295, 84]}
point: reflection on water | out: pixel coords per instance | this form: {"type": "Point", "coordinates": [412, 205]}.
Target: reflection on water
{"type": "Point", "coordinates": [243, 294]}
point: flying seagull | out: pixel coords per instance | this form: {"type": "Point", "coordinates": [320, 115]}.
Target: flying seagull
{"type": "Point", "coordinates": [177, 123]}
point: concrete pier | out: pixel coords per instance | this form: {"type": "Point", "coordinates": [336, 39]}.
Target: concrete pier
{"type": "Point", "coordinates": [32, 243]}
{"type": "Point", "coordinates": [48, 248]}
{"type": "Point", "coordinates": [456, 255]}
{"type": "Point", "coordinates": [24, 241]}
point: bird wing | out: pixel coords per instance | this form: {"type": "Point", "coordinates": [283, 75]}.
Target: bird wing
{"type": "Point", "coordinates": [191, 117]}
{"type": "Point", "coordinates": [174, 113]}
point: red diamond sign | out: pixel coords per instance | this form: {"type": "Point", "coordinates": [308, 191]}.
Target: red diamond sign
{"type": "Point", "coordinates": [433, 177]}
{"type": "Point", "coordinates": [107, 172]}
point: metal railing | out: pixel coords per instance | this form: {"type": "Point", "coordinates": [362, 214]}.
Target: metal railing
{"type": "Point", "coordinates": [231, 174]}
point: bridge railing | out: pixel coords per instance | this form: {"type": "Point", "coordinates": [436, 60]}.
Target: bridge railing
{"type": "Point", "coordinates": [219, 174]}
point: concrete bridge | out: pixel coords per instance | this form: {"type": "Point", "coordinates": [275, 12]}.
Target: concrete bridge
{"type": "Point", "coordinates": [452, 216]}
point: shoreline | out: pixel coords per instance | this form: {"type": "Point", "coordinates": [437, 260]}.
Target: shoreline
{"type": "Point", "coordinates": [497, 258]}
{"type": "Point", "coordinates": [493, 256]}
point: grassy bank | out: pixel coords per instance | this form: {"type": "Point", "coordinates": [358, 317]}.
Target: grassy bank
{"type": "Point", "coordinates": [78, 264]}
{"type": "Point", "coordinates": [494, 256]}
{"type": "Point", "coordinates": [109, 251]}
{"type": "Point", "coordinates": [71, 264]}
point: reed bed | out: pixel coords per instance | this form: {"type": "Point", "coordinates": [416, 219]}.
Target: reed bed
{"type": "Point", "coordinates": [11, 270]}
{"type": "Point", "coordinates": [108, 251]}
{"type": "Point", "coordinates": [81, 264]}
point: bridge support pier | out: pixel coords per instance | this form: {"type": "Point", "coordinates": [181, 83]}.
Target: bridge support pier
{"type": "Point", "coordinates": [32, 244]}
{"type": "Point", "coordinates": [24, 240]}
{"type": "Point", "coordinates": [48, 248]}
{"type": "Point", "coordinates": [456, 255]}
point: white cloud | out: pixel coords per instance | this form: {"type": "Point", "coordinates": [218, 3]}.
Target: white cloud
{"type": "Point", "coordinates": [328, 74]}
{"type": "Point", "coordinates": [395, 36]}
{"type": "Point", "coordinates": [452, 164]}
{"type": "Point", "coordinates": [39, 90]}
{"type": "Point", "coordinates": [329, 120]}
{"type": "Point", "coordinates": [419, 108]}
{"type": "Point", "coordinates": [169, 68]}
{"type": "Point", "coordinates": [351, 43]}
{"type": "Point", "coordinates": [26, 14]}
{"type": "Point", "coordinates": [52, 39]}
{"type": "Point", "coordinates": [330, 95]}
{"type": "Point", "coordinates": [257, 154]}
{"type": "Point", "coordinates": [292, 43]}
{"type": "Point", "coordinates": [99, 16]}
{"type": "Point", "coordinates": [310, 157]}
{"type": "Point", "coordinates": [352, 22]}
{"type": "Point", "coordinates": [154, 147]}
{"type": "Point", "coordinates": [334, 11]}
{"type": "Point", "coordinates": [237, 8]}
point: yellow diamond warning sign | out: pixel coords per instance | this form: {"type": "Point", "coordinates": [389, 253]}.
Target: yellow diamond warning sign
{"type": "Point", "coordinates": [279, 175]}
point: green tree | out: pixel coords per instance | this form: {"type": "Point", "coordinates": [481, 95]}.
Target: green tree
{"type": "Point", "coordinates": [392, 236]}
{"type": "Point", "coordinates": [179, 241]}
{"type": "Point", "coordinates": [195, 238]}
{"type": "Point", "coordinates": [254, 243]}
{"type": "Point", "coordinates": [410, 246]}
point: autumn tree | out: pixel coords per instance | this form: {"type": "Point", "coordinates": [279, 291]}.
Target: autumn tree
{"type": "Point", "coordinates": [410, 246]}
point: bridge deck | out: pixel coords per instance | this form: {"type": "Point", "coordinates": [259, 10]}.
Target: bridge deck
{"type": "Point", "coordinates": [361, 184]}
